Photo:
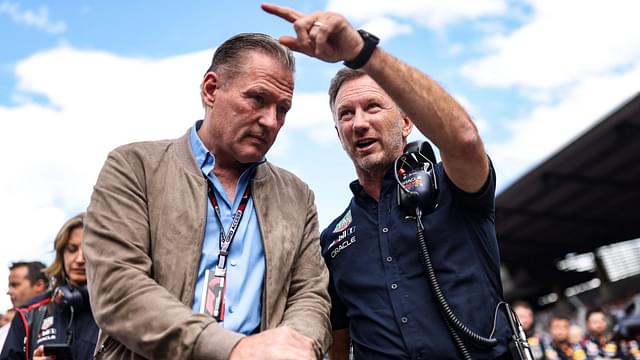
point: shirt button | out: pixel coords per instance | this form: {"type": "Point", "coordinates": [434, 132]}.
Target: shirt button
{"type": "Point", "coordinates": [385, 230]}
{"type": "Point", "coordinates": [404, 320]}
{"type": "Point", "coordinates": [389, 259]}
{"type": "Point", "coordinates": [233, 263]}
{"type": "Point", "coordinates": [231, 309]}
{"type": "Point", "coordinates": [394, 286]}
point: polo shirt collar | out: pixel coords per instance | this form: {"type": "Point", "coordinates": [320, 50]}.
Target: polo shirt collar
{"type": "Point", "coordinates": [388, 180]}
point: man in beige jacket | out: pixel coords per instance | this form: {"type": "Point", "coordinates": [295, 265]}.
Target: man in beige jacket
{"type": "Point", "coordinates": [198, 248]}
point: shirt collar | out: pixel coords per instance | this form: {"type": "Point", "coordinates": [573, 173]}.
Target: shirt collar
{"type": "Point", "coordinates": [388, 180]}
{"type": "Point", "coordinates": [204, 159]}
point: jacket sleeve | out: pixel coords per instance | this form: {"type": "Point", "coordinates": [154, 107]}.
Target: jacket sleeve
{"type": "Point", "coordinates": [127, 303]}
{"type": "Point", "coordinates": [308, 301]}
{"type": "Point", "coordinates": [13, 348]}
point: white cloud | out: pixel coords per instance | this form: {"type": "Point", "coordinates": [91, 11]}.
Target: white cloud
{"type": "Point", "coordinates": [563, 42]}
{"type": "Point", "coordinates": [433, 14]}
{"type": "Point", "coordinates": [548, 128]}
{"type": "Point", "coordinates": [36, 18]}
{"type": "Point", "coordinates": [309, 117]}
{"type": "Point", "coordinates": [574, 61]}
{"type": "Point", "coordinates": [386, 28]}
{"type": "Point", "coordinates": [51, 153]}
{"type": "Point", "coordinates": [311, 112]}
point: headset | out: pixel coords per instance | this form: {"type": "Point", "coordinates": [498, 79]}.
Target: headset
{"type": "Point", "coordinates": [415, 174]}
{"type": "Point", "coordinates": [417, 195]}
{"type": "Point", "coordinates": [67, 296]}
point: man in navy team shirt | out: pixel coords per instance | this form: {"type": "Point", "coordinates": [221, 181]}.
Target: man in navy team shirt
{"type": "Point", "coordinates": [381, 301]}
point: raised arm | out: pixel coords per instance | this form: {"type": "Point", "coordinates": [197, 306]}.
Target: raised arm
{"type": "Point", "coordinates": [330, 37]}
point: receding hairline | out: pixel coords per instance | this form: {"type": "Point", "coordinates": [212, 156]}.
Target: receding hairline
{"type": "Point", "coordinates": [243, 63]}
{"type": "Point", "coordinates": [234, 50]}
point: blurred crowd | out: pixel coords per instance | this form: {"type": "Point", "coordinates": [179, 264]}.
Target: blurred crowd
{"type": "Point", "coordinates": [51, 317]}
{"type": "Point", "coordinates": [559, 335]}
{"type": "Point", "coordinates": [50, 305]}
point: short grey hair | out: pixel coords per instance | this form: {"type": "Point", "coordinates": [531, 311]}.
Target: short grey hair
{"type": "Point", "coordinates": [229, 56]}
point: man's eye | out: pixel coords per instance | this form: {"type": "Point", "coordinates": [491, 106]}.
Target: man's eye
{"type": "Point", "coordinates": [258, 99]}
{"type": "Point", "coordinates": [373, 106]}
{"type": "Point", "coordinates": [283, 109]}
{"type": "Point", "coordinates": [345, 115]}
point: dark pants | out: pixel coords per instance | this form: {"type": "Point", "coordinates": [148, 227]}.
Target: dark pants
{"type": "Point", "coordinates": [505, 356]}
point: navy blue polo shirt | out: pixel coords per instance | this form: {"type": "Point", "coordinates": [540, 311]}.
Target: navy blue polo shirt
{"type": "Point", "coordinates": [377, 285]}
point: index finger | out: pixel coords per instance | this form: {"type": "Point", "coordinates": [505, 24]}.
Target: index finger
{"type": "Point", "coordinates": [286, 13]}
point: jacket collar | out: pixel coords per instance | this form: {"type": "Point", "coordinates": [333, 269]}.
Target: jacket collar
{"type": "Point", "coordinates": [185, 156]}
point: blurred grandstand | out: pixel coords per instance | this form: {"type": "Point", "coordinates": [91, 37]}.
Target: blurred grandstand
{"type": "Point", "coordinates": [569, 230]}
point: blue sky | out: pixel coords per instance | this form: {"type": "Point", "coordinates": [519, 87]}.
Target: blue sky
{"type": "Point", "coordinates": [80, 78]}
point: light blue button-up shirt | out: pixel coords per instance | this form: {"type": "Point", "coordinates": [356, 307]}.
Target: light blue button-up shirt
{"type": "Point", "coordinates": [245, 262]}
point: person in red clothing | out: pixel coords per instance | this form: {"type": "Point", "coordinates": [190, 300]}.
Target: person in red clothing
{"type": "Point", "coordinates": [61, 316]}
{"type": "Point", "coordinates": [26, 281]}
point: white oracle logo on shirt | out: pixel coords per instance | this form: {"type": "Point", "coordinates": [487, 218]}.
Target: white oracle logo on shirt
{"type": "Point", "coordinates": [342, 241]}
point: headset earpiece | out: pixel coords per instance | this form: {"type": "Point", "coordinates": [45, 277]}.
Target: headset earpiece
{"type": "Point", "coordinates": [68, 296]}
{"type": "Point", "coordinates": [415, 174]}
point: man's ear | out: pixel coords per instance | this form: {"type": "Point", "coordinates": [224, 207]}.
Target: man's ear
{"type": "Point", "coordinates": [208, 88]}
{"type": "Point", "coordinates": [407, 126]}
{"type": "Point", "coordinates": [40, 286]}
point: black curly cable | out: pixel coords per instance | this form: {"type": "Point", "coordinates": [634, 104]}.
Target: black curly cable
{"type": "Point", "coordinates": [426, 263]}
{"type": "Point", "coordinates": [462, 348]}
{"type": "Point", "coordinates": [444, 306]}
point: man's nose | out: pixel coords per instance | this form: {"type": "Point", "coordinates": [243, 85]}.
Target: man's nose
{"type": "Point", "coordinates": [360, 121]}
{"type": "Point", "coordinates": [270, 117]}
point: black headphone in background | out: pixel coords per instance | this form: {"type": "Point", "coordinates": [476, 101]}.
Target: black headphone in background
{"type": "Point", "coordinates": [67, 296]}
{"type": "Point", "coordinates": [416, 177]}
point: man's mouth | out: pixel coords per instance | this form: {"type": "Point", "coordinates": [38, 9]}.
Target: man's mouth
{"type": "Point", "coordinates": [364, 143]}
{"type": "Point", "coordinates": [259, 138]}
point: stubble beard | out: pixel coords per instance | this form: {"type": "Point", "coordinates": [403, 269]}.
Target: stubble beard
{"type": "Point", "coordinates": [381, 161]}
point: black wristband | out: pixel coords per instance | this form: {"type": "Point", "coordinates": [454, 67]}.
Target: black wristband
{"type": "Point", "coordinates": [370, 43]}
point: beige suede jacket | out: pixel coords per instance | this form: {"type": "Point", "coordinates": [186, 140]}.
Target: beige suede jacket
{"type": "Point", "coordinates": [142, 242]}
